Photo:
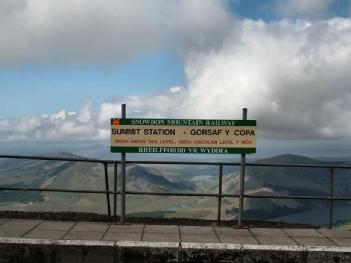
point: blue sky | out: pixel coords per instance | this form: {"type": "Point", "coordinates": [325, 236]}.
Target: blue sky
{"type": "Point", "coordinates": [65, 71]}
{"type": "Point", "coordinates": [65, 87]}
{"type": "Point", "coordinates": [266, 9]}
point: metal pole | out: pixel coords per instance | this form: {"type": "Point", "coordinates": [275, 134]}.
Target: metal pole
{"type": "Point", "coordinates": [331, 197]}
{"type": "Point", "coordinates": [123, 181]}
{"type": "Point", "coordinates": [107, 189]}
{"type": "Point", "coordinates": [115, 194]}
{"type": "Point", "coordinates": [219, 194]}
{"type": "Point", "coordinates": [242, 180]}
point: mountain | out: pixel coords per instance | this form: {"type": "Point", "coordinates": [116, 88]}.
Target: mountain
{"type": "Point", "coordinates": [176, 178]}
{"type": "Point", "coordinates": [140, 179]}
{"type": "Point", "coordinates": [293, 181]}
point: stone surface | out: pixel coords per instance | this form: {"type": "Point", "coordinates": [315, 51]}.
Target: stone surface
{"type": "Point", "coordinates": [341, 241]}
{"type": "Point", "coordinates": [87, 226]}
{"type": "Point", "coordinates": [158, 237]}
{"type": "Point", "coordinates": [10, 232]}
{"type": "Point", "coordinates": [294, 232]}
{"type": "Point", "coordinates": [45, 234]}
{"type": "Point", "coordinates": [265, 240]}
{"type": "Point", "coordinates": [335, 232]}
{"type": "Point", "coordinates": [199, 238]}
{"type": "Point", "coordinates": [49, 241]}
{"type": "Point", "coordinates": [313, 241]}
{"type": "Point", "coordinates": [135, 228]}
{"type": "Point", "coordinates": [20, 225]}
{"type": "Point", "coordinates": [122, 236]}
{"type": "Point", "coordinates": [232, 231]}
{"type": "Point", "coordinates": [238, 239]}
{"type": "Point", "coordinates": [197, 230]}
{"type": "Point", "coordinates": [84, 235]}
{"type": "Point", "coordinates": [55, 225]}
{"type": "Point", "coordinates": [3, 220]}
{"type": "Point", "coordinates": [271, 232]}
{"type": "Point", "coordinates": [172, 229]}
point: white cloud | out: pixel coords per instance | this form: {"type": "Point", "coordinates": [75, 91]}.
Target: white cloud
{"type": "Point", "coordinates": [310, 9]}
{"type": "Point", "coordinates": [103, 31]}
{"type": "Point", "coordinates": [294, 77]}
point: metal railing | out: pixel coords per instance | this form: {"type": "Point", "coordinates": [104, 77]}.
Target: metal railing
{"type": "Point", "coordinates": [331, 198]}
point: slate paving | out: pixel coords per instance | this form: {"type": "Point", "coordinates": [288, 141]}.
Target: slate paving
{"type": "Point", "coordinates": [65, 230]}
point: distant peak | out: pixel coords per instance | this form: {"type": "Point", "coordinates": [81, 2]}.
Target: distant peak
{"type": "Point", "coordinates": [290, 158]}
{"type": "Point", "coordinates": [64, 155]}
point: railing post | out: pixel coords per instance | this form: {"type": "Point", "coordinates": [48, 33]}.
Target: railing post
{"type": "Point", "coordinates": [219, 194]}
{"type": "Point", "coordinates": [331, 197]}
{"type": "Point", "coordinates": [123, 181]}
{"type": "Point", "coordinates": [115, 193]}
{"type": "Point", "coordinates": [107, 190]}
{"type": "Point", "coordinates": [242, 180]}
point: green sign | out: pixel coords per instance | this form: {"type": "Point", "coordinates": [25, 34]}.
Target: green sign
{"type": "Point", "coordinates": [196, 136]}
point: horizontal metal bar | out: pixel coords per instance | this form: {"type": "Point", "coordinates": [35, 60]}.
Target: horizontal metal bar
{"type": "Point", "coordinates": [88, 160]}
{"type": "Point", "coordinates": [184, 163]}
{"type": "Point", "coordinates": [47, 158]}
{"type": "Point", "coordinates": [298, 165]}
{"type": "Point", "coordinates": [304, 197]}
{"type": "Point", "coordinates": [171, 194]}
{"type": "Point", "coordinates": [289, 197]}
{"type": "Point", "coordinates": [341, 198]}
{"type": "Point", "coordinates": [247, 164]}
{"type": "Point", "coordinates": [231, 195]}
{"type": "Point", "coordinates": [33, 189]}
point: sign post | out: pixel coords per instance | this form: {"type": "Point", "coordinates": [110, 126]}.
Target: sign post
{"type": "Point", "coordinates": [242, 180]}
{"type": "Point", "coordinates": [123, 183]}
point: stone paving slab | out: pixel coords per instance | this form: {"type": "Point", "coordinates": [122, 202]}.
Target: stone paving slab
{"type": "Point", "coordinates": [3, 220]}
{"type": "Point", "coordinates": [271, 232]}
{"type": "Point", "coordinates": [335, 232]}
{"type": "Point", "coordinates": [265, 240]}
{"type": "Point", "coordinates": [232, 231]}
{"type": "Point", "coordinates": [158, 237]}
{"type": "Point", "coordinates": [199, 238]}
{"type": "Point", "coordinates": [9, 232]}
{"type": "Point", "coordinates": [135, 228]}
{"type": "Point", "coordinates": [45, 234]}
{"type": "Point", "coordinates": [20, 224]}
{"type": "Point", "coordinates": [314, 241]}
{"type": "Point", "coordinates": [55, 225]}
{"type": "Point", "coordinates": [172, 229]}
{"type": "Point", "coordinates": [295, 232]}
{"type": "Point", "coordinates": [88, 227]}
{"type": "Point", "coordinates": [340, 241]}
{"type": "Point", "coordinates": [114, 236]}
{"type": "Point", "coordinates": [197, 230]}
{"type": "Point", "coordinates": [238, 239]}
{"type": "Point", "coordinates": [84, 235]}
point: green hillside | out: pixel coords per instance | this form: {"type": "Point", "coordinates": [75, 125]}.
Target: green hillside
{"type": "Point", "coordinates": [169, 178]}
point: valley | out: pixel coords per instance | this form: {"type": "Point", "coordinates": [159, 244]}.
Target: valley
{"type": "Point", "coordinates": [183, 179]}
